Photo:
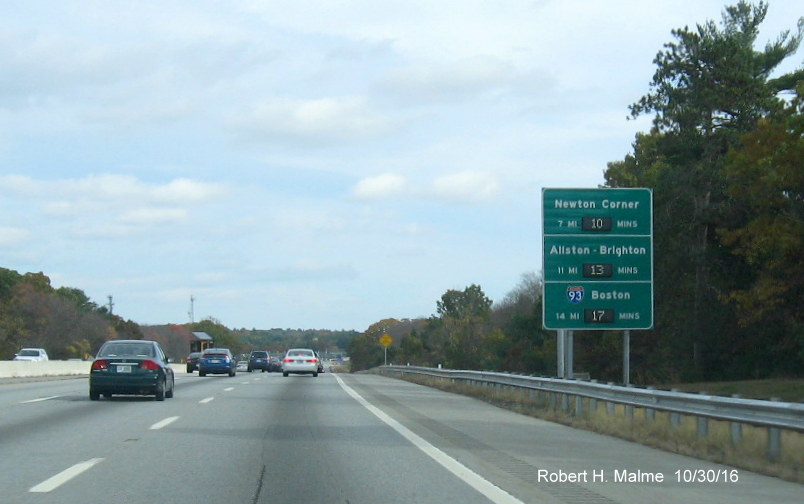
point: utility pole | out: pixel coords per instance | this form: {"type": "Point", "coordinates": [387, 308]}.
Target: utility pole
{"type": "Point", "coordinates": [111, 304]}
{"type": "Point", "coordinates": [190, 313]}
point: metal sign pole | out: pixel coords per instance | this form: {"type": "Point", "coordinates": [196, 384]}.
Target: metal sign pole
{"type": "Point", "coordinates": [627, 357]}
{"type": "Point", "coordinates": [560, 355]}
{"type": "Point", "coordinates": [569, 345]}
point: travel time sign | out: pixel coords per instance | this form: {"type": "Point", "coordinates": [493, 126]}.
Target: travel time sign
{"type": "Point", "coordinates": [597, 259]}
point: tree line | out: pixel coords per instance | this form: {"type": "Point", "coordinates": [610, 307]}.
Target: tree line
{"type": "Point", "coordinates": [725, 161]}
{"type": "Point", "coordinates": [64, 321]}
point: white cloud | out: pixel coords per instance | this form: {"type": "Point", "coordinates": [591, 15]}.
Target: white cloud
{"type": "Point", "coordinates": [467, 187]}
{"type": "Point", "coordinates": [463, 187]}
{"type": "Point", "coordinates": [380, 187]}
{"type": "Point", "coordinates": [108, 205]}
{"type": "Point", "coordinates": [187, 191]}
{"type": "Point", "coordinates": [152, 216]}
{"type": "Point", "coordinates": [12, 236]}
{"type": "Point", "coordinates": [111, 187]}
{"type": "Point", "coordinates": [451, 81]}
{"type": "Point", "coordinates": [320, 120]}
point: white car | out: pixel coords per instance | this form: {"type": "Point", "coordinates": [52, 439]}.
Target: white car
{"type": "Point", "coordinates": [31, 354]}
{"type": "Point", "coordinates": [300, 361]}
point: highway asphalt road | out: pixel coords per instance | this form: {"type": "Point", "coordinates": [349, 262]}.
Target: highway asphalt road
{"type": "Point", "coordinates": [262, 438]}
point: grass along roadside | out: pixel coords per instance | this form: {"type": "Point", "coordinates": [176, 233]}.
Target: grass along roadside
{"type": "Point", "coordinates": [651, 429]}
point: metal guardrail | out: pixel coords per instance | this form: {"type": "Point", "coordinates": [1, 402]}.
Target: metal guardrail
{"type": "Point", "coordinates": [773, 415]}
{"type": "Point", "coordinates": [748, 411]}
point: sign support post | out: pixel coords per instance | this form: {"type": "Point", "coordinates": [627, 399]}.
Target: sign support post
{"type": "Point", "coordinates": [626, 357]}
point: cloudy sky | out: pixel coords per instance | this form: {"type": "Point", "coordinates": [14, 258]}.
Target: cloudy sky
{"type": "Point", "coordinates": [310, 164]}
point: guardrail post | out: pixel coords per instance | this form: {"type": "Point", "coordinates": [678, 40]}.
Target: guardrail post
{"type": "Point", "coordinates": [703, 426]}
{"type": "Point", "coordinates": [774, 440]}
{"type": "Point", "coordinates": [610, 406]}
{"type": "Point", "coordinates": [736, 428]}
{"type": "Point", "coordinates": [736, 433]}
{"type": "Point", "coordinates": [564, 402]}
{"type": "Point", "coordinates": [650, 413]}
{"type": "Point", "coordinates": [675, 418]}
{"type": "Point", "coordinates": [774, 443]}
{"type": "Point", "coordinates": [629, 409]}
{"type": "Point", "coordinates": [703, 422]}
{"type": "Point", "coordinates": [578, 405]}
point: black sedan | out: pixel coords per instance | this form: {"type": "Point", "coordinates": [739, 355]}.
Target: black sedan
{"type": "Point", "coordinates": [192, 361]}
{"type": "Point", "coordinates": [131, 367]}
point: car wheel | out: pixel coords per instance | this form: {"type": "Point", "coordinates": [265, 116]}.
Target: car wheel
{"type": "Point", "coordinates": [169, 393]}
{"type": "Point", "coordinates": [189, 369]}
{"type": "Point", "coordinates": [315, 375]}
{"type": "Point", "coordinates": [160, 391]}
{"type": "Point", "coordinates": [284, 374]}
{"type": "Point", "coordinates": [201, 373]}
{"type": "Point", "coordinates": [94, 395]}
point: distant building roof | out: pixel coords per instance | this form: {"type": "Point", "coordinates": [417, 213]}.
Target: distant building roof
{"type": "Point", "coordinates": [202, 336]}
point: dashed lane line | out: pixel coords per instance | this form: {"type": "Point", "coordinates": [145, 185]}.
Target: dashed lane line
{"type": "Point", "coordinates": [63, 477]}
{"type": "Point", "coordinates": [39, 399]}
{"type": "Point", "coordinates": [163, 423]}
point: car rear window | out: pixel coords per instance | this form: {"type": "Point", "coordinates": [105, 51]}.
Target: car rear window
{"type": "Point", "coordinates": [135, 349]}
{"type": "Point", "coordinates": [261, 355]}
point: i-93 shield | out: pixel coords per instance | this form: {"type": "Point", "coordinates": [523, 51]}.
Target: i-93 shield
{"type": "Point", "coordinates": [575, 294]}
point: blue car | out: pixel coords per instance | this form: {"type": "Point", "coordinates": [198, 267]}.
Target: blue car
{"type": "Point", "coordinates": [217, 361]}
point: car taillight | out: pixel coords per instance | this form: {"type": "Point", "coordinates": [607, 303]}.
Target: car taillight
{"type": "Point", "coordinates": [312, 360]}
{"type": "Point", "coordinates": [99, 365]}
{"type": "Point", "coordinates": [287, 359]}
{"type": "Point", "coordinates": [149, 365]}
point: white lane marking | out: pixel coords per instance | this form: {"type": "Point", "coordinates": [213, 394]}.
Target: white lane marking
{"type": "Point", "coordinates": [228, 389]}
{"type": "Point", "coordinates": [64, 476]}
{"type": "Point", "coordinates": [39, 400]}
{"type": "Point", "coordinates": [163, 423]}
{"type": "Point", "coordinates": [476, 481]}
{"type": "Point", "coordinates": [204, 401]}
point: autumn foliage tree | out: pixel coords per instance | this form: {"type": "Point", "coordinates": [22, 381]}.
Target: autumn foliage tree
{"type": "Point", "coordinates": [64, 321]}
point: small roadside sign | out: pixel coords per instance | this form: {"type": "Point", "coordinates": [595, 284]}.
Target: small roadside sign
{"type": "Point", "coordinates": [386, 340]}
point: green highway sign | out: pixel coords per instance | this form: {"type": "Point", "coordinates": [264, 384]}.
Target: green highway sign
{"type": "Point", "coordinates": [597, 258]}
